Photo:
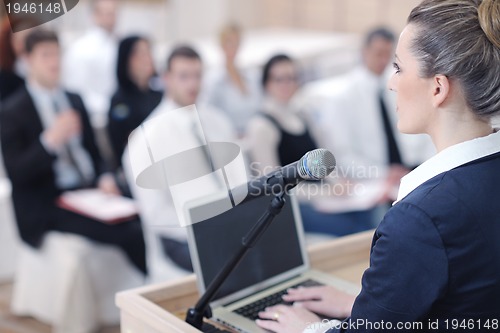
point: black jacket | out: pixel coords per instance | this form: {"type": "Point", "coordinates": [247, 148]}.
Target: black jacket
{"type": "Point", "coordinates": [129, 108]}
{"type": "Point", "coordinates": [29, 165]}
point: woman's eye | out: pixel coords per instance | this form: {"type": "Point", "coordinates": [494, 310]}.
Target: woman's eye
{"type": "Point", "coordinates": [396, 67]}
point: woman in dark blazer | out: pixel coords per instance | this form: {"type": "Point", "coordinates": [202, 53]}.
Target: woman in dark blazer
{"type": "Point", "coordinates": [435, 257]}
{"type": "Point", "coordinates": [136, 96]}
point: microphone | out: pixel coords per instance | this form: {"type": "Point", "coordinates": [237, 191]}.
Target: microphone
{"type": "Point", "coordinates": [314, 165]}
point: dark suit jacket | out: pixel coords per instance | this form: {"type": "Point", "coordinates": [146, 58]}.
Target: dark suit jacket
{"type": "Point", "coordinates": [129, 108]}
{"type": "Point", "coordinates": [436, 255]}
{"type": "Point", "coordinates": [29, 165]}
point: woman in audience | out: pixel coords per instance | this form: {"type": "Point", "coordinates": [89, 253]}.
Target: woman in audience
{"type": "Point", "coordinates": [136, 96]}
{"type": "Point", "coordinates": [232, 90]}
{"type": "Point", "coordinates": [435, 256]}
{"type": "Point", "coordinates": [278, 135]}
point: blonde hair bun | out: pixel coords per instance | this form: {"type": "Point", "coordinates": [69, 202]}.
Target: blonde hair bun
{"type": "Point", "coordinates": [489, 19]}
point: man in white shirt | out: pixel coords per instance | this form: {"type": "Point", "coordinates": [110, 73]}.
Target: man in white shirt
{"type": "Point", "coordinates": [163, 233]}
{"type": "Point", "coordinates": [90, 63]}
{"type": "Point", "coordinates": [358, 122]}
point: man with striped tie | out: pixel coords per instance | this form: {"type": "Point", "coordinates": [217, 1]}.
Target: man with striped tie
{"type": "Point", "coordinates": [48, 147]}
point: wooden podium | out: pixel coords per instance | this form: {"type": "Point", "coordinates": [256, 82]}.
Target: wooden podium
{"type": "Point", "coordinates": [161, 308]}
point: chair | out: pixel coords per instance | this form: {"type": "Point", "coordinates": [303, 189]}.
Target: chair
{"type": "Point", "coordinates": [71, 282]}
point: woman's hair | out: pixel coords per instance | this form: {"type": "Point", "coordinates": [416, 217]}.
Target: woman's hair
{"type": "Point", "coordinates": [461, 40]}
{"type": "Point", "coordinates": [125, 51]}
{"type": "Point", "coordinates": [266, 72]}
{"type": "Point", "coordinates": [7, 54]}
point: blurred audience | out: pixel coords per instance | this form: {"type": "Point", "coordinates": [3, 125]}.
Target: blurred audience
{"type": "Point", "coordinates": [358, 124]}
{"type": "Point", "coordinates": [136, 97]}
{"type": "Point", "coordinates": [183, 78]}
{"type": "Point", "coordinates": [278, 135]}
{"type": "Point", "coordinates": [360, 121]}
{"type": "Point", "coordinates": [232, 90]}
{"type": "Point", "coordinates": [12, 62]}
{"type": "Point", "coordinates": [48, 147]}
{"type": "Point", "coordinates": [90, 61]}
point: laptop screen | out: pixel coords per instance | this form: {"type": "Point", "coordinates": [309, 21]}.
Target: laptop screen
{"type": "Point", "coordinates": [214, 241]}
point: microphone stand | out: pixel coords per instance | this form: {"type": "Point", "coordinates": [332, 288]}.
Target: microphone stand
{"type": "Point", "coordinates": [202, 308]}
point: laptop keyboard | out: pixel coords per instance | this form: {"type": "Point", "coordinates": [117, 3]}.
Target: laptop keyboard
{"type": "Point", "coordinates": [209, 328]}
{"type": "Point", "coordinates": [251, 311]}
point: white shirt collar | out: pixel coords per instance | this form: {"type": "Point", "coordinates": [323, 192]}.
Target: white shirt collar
{"type": "Point", "coordinates": [169, 104]}
{"type": "Point", "coordinates": [449, 158]}
{"type": "Point", "coordinates": [36, 89]}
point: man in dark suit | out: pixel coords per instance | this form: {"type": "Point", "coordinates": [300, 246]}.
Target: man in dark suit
{"type": "Point", "coordinates": [48, 147]}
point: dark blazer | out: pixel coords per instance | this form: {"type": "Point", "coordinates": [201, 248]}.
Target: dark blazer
{"type": "Point", "coordinates": [10, 82]}
{"type": "Point", "coordinates": [436, 255]}
{"type": "Point", "coordinates": [29, 165]}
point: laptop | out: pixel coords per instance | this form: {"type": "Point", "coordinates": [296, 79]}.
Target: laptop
{"type": "Point", "coordinates": [277, 262]}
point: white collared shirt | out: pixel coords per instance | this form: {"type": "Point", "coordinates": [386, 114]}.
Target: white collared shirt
{"type": "Point", "coordinates": [156, 206]}
{"type": "Point", "coordinates": [450, 158]}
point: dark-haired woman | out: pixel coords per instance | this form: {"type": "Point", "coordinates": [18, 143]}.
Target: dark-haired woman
{"type": "Point", "coordinates": [136, 96]}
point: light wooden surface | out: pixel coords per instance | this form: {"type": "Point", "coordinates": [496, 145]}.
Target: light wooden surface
{"type": "Point", "coordinates": [159, 308]}
{"type": "Point", "coordinates": [10, 323]}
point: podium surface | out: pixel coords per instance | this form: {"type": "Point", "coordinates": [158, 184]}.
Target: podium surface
{"type": "Point", "coordinates": [161, 308]}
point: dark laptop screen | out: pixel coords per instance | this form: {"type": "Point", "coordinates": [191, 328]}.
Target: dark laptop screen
{"type": "Point", "coordinates": [218, 238]}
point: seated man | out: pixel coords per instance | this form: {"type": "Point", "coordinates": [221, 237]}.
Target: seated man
{"type": "Point", "coordinates": [48, 147]}
{"type": "Point", "coordinates": [183, 78]}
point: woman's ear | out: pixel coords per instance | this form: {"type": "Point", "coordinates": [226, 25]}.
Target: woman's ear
{"type": "Point", "coordinates": [440, 90]}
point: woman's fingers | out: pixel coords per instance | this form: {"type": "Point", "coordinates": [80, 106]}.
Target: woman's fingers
{"type": "Point", "coordinates": [303, 294]}
{"type": "Point", "coordinates": [286, 319]}
{"type": "Point", "coordinates": [270, 325]}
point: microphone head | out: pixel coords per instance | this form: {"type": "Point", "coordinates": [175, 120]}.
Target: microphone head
{"type": "Point", "coordinates": [316, 164]}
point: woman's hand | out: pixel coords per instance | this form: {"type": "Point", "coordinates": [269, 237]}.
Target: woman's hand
{"type": "Point", "coordinates": [325, 300]}
{"type": "Point", "coordinates": [286, 319]}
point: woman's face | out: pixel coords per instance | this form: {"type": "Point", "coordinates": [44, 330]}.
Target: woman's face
{"type": "Point", "coordinates": [414, 93]}
{"type": "Point", "coordinates": [282, 83]}
{"type": "Point", "coordinates": [141, 65]}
